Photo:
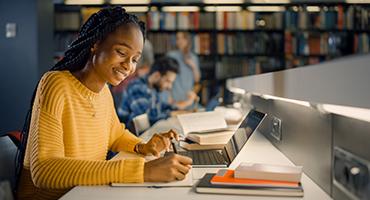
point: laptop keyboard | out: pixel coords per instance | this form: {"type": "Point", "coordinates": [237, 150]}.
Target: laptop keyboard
{"type": "Point", "coordinates": [205, 157]}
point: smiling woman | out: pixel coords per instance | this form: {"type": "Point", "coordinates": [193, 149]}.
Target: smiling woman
{"type": "Point", "coordinates": [72, 122]}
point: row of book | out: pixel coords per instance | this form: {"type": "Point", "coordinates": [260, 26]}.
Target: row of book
{"type": "Point", "coordinates": [235, 67]}
{"type": "Point", "coordinates": [361, 43]}
{"type": "Point", "coordinates": [335, 17]}
{"type": "Point", "coordinates": [314, 43]}
{"type": "Point", "coordinates": [328, 17]}
{"type": "Point", "coordinates": [164, 42]}
{"type": "Point", "coordinates": [249, 43]}
{"type": "Point", "coordinates": [293, 62]}
{"type": "Point", "coordinates": [179, 20]}
{"type": "Point", "coordinates": [246, 20]}
{"type": "Point", "coordinates": [67, 21]}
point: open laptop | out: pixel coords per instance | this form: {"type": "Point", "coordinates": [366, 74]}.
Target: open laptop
{"type": "Point", "coordinates": [223, 158]}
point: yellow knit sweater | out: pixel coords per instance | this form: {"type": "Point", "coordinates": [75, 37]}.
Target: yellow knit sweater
{"type": "Point", "coordinates": [71, 130]}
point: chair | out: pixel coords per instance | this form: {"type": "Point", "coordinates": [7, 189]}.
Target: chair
{"type": "Point", "coordinates": [8, 149]}
{"type": "Point", "coordinates": [140, 123]}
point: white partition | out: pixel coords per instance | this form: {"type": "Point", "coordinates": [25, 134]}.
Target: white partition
{"type": "Point", "coordinates": [344, 81]}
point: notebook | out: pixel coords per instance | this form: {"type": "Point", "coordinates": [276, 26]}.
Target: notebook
{"type": "Point", "coordinates": [205, 186]}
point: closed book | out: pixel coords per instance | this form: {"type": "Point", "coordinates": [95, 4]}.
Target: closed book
{"type": "Point", "coordinates": [205, 186]}
{"type": "Point", "coordinates": [219, 137]}
{"type": "Point", "coordinates": [269, 172]}
{"type": "Point", "coordinates": [191, 145]}
{"type": "Point", "coordinates": [226, 177]}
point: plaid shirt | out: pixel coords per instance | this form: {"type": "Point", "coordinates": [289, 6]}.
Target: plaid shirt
{"type": "Point", "coordinates": [138, 99]}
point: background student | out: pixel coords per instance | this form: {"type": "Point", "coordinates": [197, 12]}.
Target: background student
{"type": "Point", "coordinates": [73, 122]}
{"type": "Point", "coordinates": [189, 74]}
{"type": "Point", "coordinates": [143, 95]}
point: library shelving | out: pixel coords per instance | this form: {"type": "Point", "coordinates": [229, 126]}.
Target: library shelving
{"type": "Point", "coordinates": [244, 42]}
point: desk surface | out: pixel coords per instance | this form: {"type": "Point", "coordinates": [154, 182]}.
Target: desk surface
{"type": "Point", "coordinates": [257, 149]}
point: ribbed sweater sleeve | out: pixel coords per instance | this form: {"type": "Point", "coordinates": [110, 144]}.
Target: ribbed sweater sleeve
{"type": "Point", "coordinates": [50, 166]}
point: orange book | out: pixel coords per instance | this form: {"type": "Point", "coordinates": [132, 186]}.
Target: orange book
{"type": "Point", "coordinates": [226, 177]}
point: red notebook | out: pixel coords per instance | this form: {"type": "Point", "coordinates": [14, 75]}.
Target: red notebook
{"type": "Point", "coordinates": [226, 177]}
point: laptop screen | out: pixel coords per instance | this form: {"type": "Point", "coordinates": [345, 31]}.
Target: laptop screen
{"type": "Point", "coordinates": [242, 134]}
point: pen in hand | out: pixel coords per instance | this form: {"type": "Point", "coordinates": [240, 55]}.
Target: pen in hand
{"type": "Point", "coordinates": [174, 147]}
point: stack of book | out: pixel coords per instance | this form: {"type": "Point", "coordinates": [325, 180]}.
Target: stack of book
{"type": "Point", "coordinates": [254, 179]}
{"type": "Point", "coordinates": [204, 130]}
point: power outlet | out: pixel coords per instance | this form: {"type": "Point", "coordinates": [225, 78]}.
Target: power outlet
{"type": "Point", "coordinates": [276, 128]}
{"type": "Point", "coordinates": [351, 174]}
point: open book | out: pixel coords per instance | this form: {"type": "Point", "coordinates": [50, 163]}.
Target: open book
{"type": "Point", "coordinates": [202, 122]}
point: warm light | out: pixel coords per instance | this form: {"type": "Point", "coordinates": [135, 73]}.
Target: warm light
{"type": "Point", "coordinates": [223, 1]}
{"type": "Point", "coordinates": [302, 103]}
{"type": "Point", "coordinates": [180, 8]}
{"type": "Point", "coordinates": [83, 2]}
{"type": "Point", "coordinates": [236, 90]}
{"type": "Point", "coordinates": [136, 8]}
{"type": "Point", "coordinates": [222, 8]}
{"type": "Point", "coordinates": [126, 2]}
{"type": "Point", "coordinates": [270, 1]}
{"type": "Point", "coordinates": [357, 1]}
{"type": "Point", "coordinates": [353, 112]}
{"type": "Point", "coordinates": [313, 8]}
{"type": "Point", "coordinates": [266, 8]}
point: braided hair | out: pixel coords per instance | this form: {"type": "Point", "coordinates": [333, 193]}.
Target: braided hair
{"type": "Point", "coordinates": [95, 29]}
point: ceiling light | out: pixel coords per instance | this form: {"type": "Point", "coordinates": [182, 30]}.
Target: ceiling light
{"type": "Point", "coordinates": [266, 8]}
{"type": "Point", "coordinates": [136, 8]}
{"type": "Point", "coordinates": [223, 1]}
{"type": "Point", "coordinates": [313, 8]}
{"type": "Point", "coordinates": [222, 8]}
{"type": "Point", "coordinates": [180, 8]}
{"type": "Point", "coordinates": [127, 2]}
{"type": "Point", "coordinates": [83, 2]}
{"type": "Point", "coordinates": [270, 1]}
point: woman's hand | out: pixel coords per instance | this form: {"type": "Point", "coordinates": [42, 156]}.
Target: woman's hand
{"type": "Point", "coordinates": [168, 168]}
{"type": "Point", "coordinates": [158, 143]}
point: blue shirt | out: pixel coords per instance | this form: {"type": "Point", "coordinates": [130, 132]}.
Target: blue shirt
{"type": "Point", "coordinates": [138, 99]}
{"type": "Point", "coordinates": [184, 81]}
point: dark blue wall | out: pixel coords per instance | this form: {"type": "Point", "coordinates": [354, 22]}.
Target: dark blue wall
{"type": "Point", "coordinates": [24, 58]}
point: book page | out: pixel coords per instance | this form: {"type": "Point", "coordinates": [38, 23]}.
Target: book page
{"type": "Point", "coordinates": [202, 122]}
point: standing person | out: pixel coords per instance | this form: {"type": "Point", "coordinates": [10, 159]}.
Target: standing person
{"type": "Point", "coordinates": [189, 74]}
{"type": "Point", "coordinates": [142, 68]}
{"type": "Point", "coordinates": [142, 95]}
{"type": "Point", "coordinates": [73, 122]}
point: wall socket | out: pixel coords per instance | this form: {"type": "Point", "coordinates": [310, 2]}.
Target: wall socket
{"type": "Point", "coordinates": [276, 128]}
{"type": "Point", "coordinates": [351, 174]}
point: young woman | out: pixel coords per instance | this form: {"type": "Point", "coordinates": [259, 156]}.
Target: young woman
{"type": "Point", "coordinates": [73, 122]}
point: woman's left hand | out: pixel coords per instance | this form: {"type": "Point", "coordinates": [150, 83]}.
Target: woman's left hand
{"type": "Point", "coordinates": [158, 143]}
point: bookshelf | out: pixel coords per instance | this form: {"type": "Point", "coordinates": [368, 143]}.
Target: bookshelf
{"type": "Point", "coordinates": [245, 42]}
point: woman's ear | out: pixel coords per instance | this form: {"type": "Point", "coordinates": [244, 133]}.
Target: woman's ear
{"type": "Point", "coordinates": [94, 48]}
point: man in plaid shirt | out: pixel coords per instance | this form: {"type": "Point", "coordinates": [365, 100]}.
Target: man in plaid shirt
{"type": "Point", "coordinates": [143, 94]}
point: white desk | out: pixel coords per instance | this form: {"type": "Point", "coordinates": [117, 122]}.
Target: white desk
{"type": "Point", "coordinates": [257, 149]}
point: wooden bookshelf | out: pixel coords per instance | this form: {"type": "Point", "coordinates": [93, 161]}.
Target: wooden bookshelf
{"type": "Point", "coordinates": [300, 35]}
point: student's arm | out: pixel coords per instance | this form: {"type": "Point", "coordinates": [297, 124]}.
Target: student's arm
{"type": "Point", "coordinates": [194, 65]}
{"type": "Point", "coordinates": [49, 166]}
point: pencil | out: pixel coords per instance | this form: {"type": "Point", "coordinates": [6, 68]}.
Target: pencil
{"type": "Point", "coordinates": [174, 147]}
